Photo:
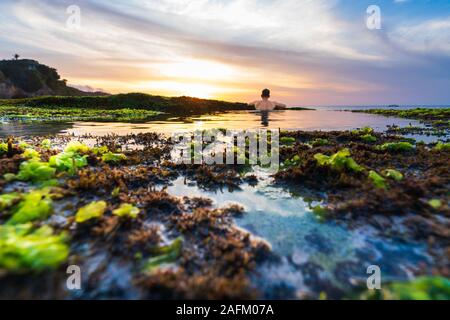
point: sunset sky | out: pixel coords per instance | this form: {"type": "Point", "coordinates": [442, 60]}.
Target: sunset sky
{"type": "Point", "coordinates": [312, 52]}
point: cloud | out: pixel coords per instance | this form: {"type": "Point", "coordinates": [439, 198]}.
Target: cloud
{"type": "Point", "coordinates": [305, 50]}
{"type": "Point", "coordinates": [427, 37]}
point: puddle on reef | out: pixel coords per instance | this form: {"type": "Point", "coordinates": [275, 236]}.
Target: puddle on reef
{"type": "Point", "coordinates": [310, 256]}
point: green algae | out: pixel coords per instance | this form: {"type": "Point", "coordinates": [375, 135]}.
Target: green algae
{"type": "Point", "coordinates": [31, 154]}
{"type": "Point", "coordinates": [98, 151]}
{"type": "Point", "coordinates": [422, 288]}
{"type": "Point", "coordinates": [396, 147]}
{"type": "Point", "coordinates": [435, 203]}
{"type": "Point", "coordinates": [68, 161]}
{"type": "Point", "coordinates": [3, 148]}
{"type": "Point", "coordinates": [368, 138]}
{"type": "Point", "coordinates": [320, 142]}
{"type": "Point", "coordinates": [287, 140]}
{"type": "Point", "coordinates": [339, 161]}
{"type": "Point", "coordinates": [77, 147]}
{"type": "Point", "coordinates": [34, 171]}
{"type": "Point", "coordinates": [393, 174]}
{"type": "Point", "coordinates": [23, 249]}
{"type": "Point", "coordinates": [294, 161]}
{"type": "Point", "coordinates": [126, 210]}
{"type": "Point", "coordinates": [363, 131]}
{"type": "Point", "coordinates": [441, 146]}
{"type": "Point", "coordinates": [113, 158]}
{"type": "Point", "coordinates": [46, 144]}
{"type": "Point", "coordinates": [377, 180]}
{"type": "Point", "coordinates": [7, 200]}
{"type": "Point", "coordinates": [93, 210]}
{"type": "Point", "coordinates": [35, 205]}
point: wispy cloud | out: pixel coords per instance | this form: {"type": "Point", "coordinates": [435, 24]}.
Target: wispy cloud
{"type": "Point", "coordinates": [309, 52]}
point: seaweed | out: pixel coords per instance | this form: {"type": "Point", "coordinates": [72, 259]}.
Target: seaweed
{"type": "Point", "coordinates": [294, 161]}
{"type": "Point", "coordinates": [339, 161]}
{"type": "Point", "coordinates": [34, 171]}
{"type": "Point", "coordinates": [113, 158]}
{"type": "Point", "coordinates": [396, 147]}
{"type": "Point", "coordinates": [393, 174]}
{"type": "Point", "coordinates": [369, 138]}
{"type": "Point", "coordinates": [31, 154]}
{"type": "Point", "coordinates": [377, 180]}
{"type": "Point", "coordinates": [320, 142]}
{"type": "Point", "coordinates": [68, 161]}
{"type": "Point", "coordinates": [23, 249]}
{"type": "Point", "coordinates": [93, 210]}
{"type": "Point", "coordinates": [363, 131]}
{"type": "Point", "coordinates": [46, 144]}
{"type": "Point", "coordinates": [8, 200]}
{"type": "Point", "coordinates": [126, 210]}
{"type": "Point", "coordinates": [440, 146]}
{"type": "Point", "coordinates": [287, 140]}
{"type": "Point", "coordinates": [435, 203]}
{"type": "Point", "coordinates": [422, 288]}
{"type": "Point", "coordinates": [77, 147]}
{"type": "Point", "coordinates": [36, 205]}
{"type": "Point", "coordinates": [3, 148]}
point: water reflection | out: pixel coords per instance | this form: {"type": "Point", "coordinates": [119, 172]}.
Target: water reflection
{"type": "Point", "coordinates": [312, 256]}
{"type": "Point", "coordinates": [307, 120]}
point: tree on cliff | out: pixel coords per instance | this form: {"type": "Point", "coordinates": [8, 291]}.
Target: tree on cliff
{"type": "Point", "coordinates": [16, 56]}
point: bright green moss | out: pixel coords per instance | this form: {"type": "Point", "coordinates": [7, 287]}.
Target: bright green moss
{"type": "Point", "coordinates": [113, 158]}
{"type": "Point", "coordinates": [77, 147]}
{"type": "Point", "coordinates": [36, 205]}
{"type": "Point", "coordinates": [435, 203]}
{"type": "Point", "coordinates": [22, 249]}
{"type": "Point", "coordinates": [294, 161]}
{"type": "Point", "coordinates": [320, 142]}
{"type": "Point", "coordinates": [422, 288]}
{"type": "Point", "coordinates": [339, 161]}
{"type": "Point", "coordinates": [46, 144]}
{"type": "Point", "coordinates": [98, 151]}
{"type": "Point", "coordinates": [363, 131]}
{"type": "Point", "coordinates": [31, 154]}
{"type": "Point", "coordinates": [368, 138]}
{"type": "Point", "coordinates": [91, 211]}
{"type": "Point", "coordinates": [287, 140]}
{"type": "Point", "coordinates": [396, 147]}
{"type": "Point", "coordinates": [377, 180]}
{"type": "Point", "coordinates": [393, 174]}
{"type": "Point", "coordinates": [7, 200]}
{"type": "Point", "coordinates": [35, 171]}
{"type": "Point", "coordinates": [3, 148]}
{"type": "Point", "coordinates": [126, 210]}
{"type": "Point", "coordinates": [440, 146]}
{"type": "Point", "coordinates": [23, 145]}
{"type": "Point", "coordinates": [68, 161]}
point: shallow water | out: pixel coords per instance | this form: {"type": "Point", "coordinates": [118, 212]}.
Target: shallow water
{"type": "Point", "coordinates": [290, 119]}
{"type": "Point", "coordinates": [311, 256]}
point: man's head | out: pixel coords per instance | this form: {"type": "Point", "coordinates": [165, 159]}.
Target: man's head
{"type": "Point", "coordinates": [265, 94]}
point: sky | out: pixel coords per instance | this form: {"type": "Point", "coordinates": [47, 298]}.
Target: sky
{"type": "Point", "coordinates": [310, 52]}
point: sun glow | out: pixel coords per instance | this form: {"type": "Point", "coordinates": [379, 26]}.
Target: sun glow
{"type": "Point", "coordinates": [179, 88]}
{"type": "Point", "coordinates": [197, 70]}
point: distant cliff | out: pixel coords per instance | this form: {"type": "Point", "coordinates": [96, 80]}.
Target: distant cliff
{"type": "Point", "coordinates": [28, 78]}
